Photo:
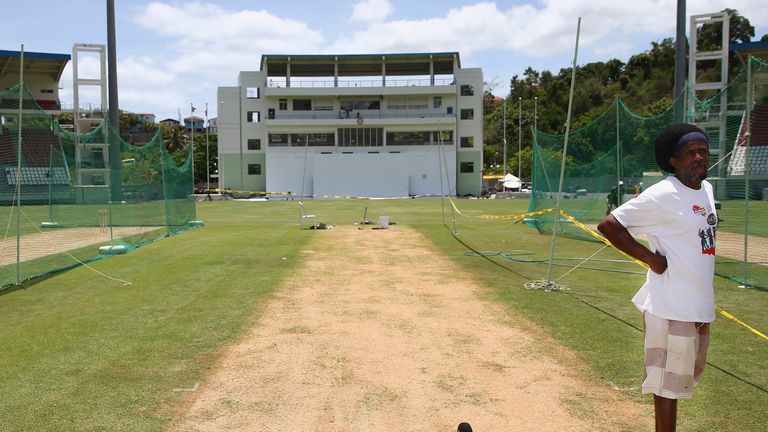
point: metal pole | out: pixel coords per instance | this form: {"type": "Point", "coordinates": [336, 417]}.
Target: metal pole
{"type": "Point", "coordinates": [192, 141]}
{"type": "Point", "coordinates": [18, 167]}
{"type": "Point", "coordinates": [207, 160]}
{"type": "Point", "coordinates": [748, 113]}
{"type": "Point", "coordinates": [535, 128]}
{"type": "Point", "coordinates": [519, 142]}
{"type": "Point", "coordinates": [565, 152]}
{"type": "Point", "coordinates": [680, 50]}
{"type": "Point", "coordinates": [504, 141]}
{"type": "Point", "coordinates": [116, 179]}
{"type": "Point", "coordinates": [618, 156]}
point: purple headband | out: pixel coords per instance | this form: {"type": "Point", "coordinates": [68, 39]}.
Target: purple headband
{"type": "Point", "coordinates": [690, 136]}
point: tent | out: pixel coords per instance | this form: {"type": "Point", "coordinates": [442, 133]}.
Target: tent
{"type": "Point", "coordinates": [511, 182]}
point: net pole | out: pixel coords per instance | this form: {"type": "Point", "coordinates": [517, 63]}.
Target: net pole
{"type": "Point", "coordinates": [618, 156]}
{"type": "Point", "coordinates": [565, 153]}
{"type": "Point", "coordinates": [748, 109]}
{"type": "Point", "coordinates": [50, 177]}
{"type": "Point", "coordinates": [18, 168]}
{"type": "Point", "coordinates": [520, 143]}
{"type": "Point", "coordinates": [504, 141]}
{"type": "Point", "coordinates": [442, 193]}
{"type": "Point", "coordinates": [165, 193]}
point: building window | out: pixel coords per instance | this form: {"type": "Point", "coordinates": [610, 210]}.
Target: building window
{"type": "Point", "coordinates": [313, 139]}
{"type": "Point", "coordinates": [437, 102]}
{"type": "Point", "coordinates": [467, 90]}
{"type": "Point", "coordinates": [356, 105]}
{"type": "Point", "coordinates": [468, 141]}
{"type": "Point", "coordinates": [252, 93]}
{"type": "Point", "coordinates": [409, 138]}
{"type": "Point", "coordinates": [254, 169]}
{"type": "Point", "coordinates": [467, 114]}
{"type": "Point", "coordinates": [467, 167]}
{"type": "Point", "coordinates": [254, 144]}
{"type": "Point", "coordinates": [46, 91]}
{"type": "Point", "coordinates": [323, 105]}
{"type": "Point", "coordinates": [254, 116]}
{"type": "Point", "coordinates": [302, 104]}
{"type": "Point", "coordinates": [282, 104]}
{"type": "Point", "coordinates": [445, 137]}
{"type": "Point", "coordinates": [361, 137]}
{"type": "Point", "coordinates": [278, 140]}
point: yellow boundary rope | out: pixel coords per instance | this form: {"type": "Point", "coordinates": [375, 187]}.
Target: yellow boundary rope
{"type": "Point", "coordinates": [598, 236]}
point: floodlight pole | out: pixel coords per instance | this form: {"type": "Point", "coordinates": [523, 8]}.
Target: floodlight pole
{"type": "Point", "coordinates": [18, 167]}
{"type": "Point", "coordinates": [556, 212]}
{"type": "Point", "coordinates": [680, 51]}
{"type": "Point", "coordinates": [116, 178]}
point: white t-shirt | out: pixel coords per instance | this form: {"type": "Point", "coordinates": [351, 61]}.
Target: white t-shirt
{"type": "Point", "coordinates": [681, 224]}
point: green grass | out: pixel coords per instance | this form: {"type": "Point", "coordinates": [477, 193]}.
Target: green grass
{"type": "Point", "coordinates": [81, 352]}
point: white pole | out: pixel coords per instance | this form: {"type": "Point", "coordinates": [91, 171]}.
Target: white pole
{"type": "Point", "coordinates": [192, 140]}
{"type": "Point", "coordinates": [207, 161]}
{"type": "Point", "coordinates": [519, 142]}
{"type": "Point", "coordinates": [535, 128]}
{"type": "Point", "coordinates": [504, 142]}
{"type": "Point", "coordinates": [556, 215]}
{"type": "Point", "coordinates": [18, 168]}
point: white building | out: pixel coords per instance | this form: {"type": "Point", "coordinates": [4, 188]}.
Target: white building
{"type": "Point", "coordinates": [360, 125]}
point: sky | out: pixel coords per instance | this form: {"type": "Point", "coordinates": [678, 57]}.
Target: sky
{"type": "Point", "coordinates": [171, 54]}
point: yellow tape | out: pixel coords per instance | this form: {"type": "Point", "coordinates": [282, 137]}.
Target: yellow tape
{"type": "Point", "coordinates": [244, 192]}
{"type": "Point", "coordinates": [740, 322]}
{"type": "Point", "coordinates": [517, 216]}
{"type": "Point", "coordinates": [604, 240]}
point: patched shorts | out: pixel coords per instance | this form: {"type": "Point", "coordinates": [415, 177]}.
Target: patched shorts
{"type": "Point", "coordinates": [675, 356]}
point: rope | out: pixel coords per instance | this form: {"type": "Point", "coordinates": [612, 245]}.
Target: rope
{"type": "Point", "coordinates": [124, 282]}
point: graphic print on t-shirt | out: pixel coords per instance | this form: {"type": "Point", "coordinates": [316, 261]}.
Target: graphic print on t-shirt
{"type": "Point", "coordinates": [709, 234]}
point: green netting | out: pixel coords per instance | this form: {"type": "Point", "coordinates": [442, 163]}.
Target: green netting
{"type": "Point", "coordinates": [60, 202]}
{"type": "Point", "coordinates": [611, 159]}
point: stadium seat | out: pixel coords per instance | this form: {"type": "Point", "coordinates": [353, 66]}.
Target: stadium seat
{"type": "Point", "coordinates": [304, 215]}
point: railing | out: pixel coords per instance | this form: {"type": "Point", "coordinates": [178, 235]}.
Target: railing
{"type": "Point", "coordinates": [415, 82]}
{"type": "Point", "coordinates": [342, 115]}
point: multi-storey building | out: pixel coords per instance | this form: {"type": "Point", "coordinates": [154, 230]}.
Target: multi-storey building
{"type": "Point", "coordinates": [365, 125]}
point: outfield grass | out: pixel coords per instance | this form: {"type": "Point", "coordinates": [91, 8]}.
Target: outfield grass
{"type": "Point", "coordinates": [81, 352]}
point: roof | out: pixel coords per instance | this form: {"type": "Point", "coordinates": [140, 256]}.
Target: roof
{"type": "Point", "coordinates": [313, 65]}
{"type": "Point", "coordinates": [36, 62]}
{"type": "Point", "coordinates": [169, 120]}
{"type": "Point", "coordinates": [758, 48]}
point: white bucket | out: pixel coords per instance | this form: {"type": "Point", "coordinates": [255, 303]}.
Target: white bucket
{"type": "Point", "coordinates": [384, 222]}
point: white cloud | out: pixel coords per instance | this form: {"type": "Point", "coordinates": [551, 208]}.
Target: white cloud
{"type": "Point", "coordinates": [367, 11]}
{"type": "Point", "coordinates": [526, 28]}
{"type": "Point", "coordinates": [210, 39]}
{"type": "Point", "coordinates": [536, 29]}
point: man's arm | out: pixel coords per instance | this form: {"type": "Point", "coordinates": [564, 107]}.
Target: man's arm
{"type": "Point", "coordinates": [623, 240]}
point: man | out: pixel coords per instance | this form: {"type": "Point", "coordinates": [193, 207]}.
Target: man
{"type": "Point", "coordinates": [677, 215]}
{"type": "Point", "coordinates": [615, 196]}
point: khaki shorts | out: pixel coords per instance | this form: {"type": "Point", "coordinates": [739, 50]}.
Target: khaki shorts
{"type": "Point", "coordinates": [675, 356]}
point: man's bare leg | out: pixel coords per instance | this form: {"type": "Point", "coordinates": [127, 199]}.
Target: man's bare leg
{"type": "Point", "coordinates": [666, 413]}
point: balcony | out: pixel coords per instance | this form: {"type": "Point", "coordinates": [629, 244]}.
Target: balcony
{"type": "Point", "coordinates": [376, 117]}
{"type": "Point", "coordinates": [325, 86]}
